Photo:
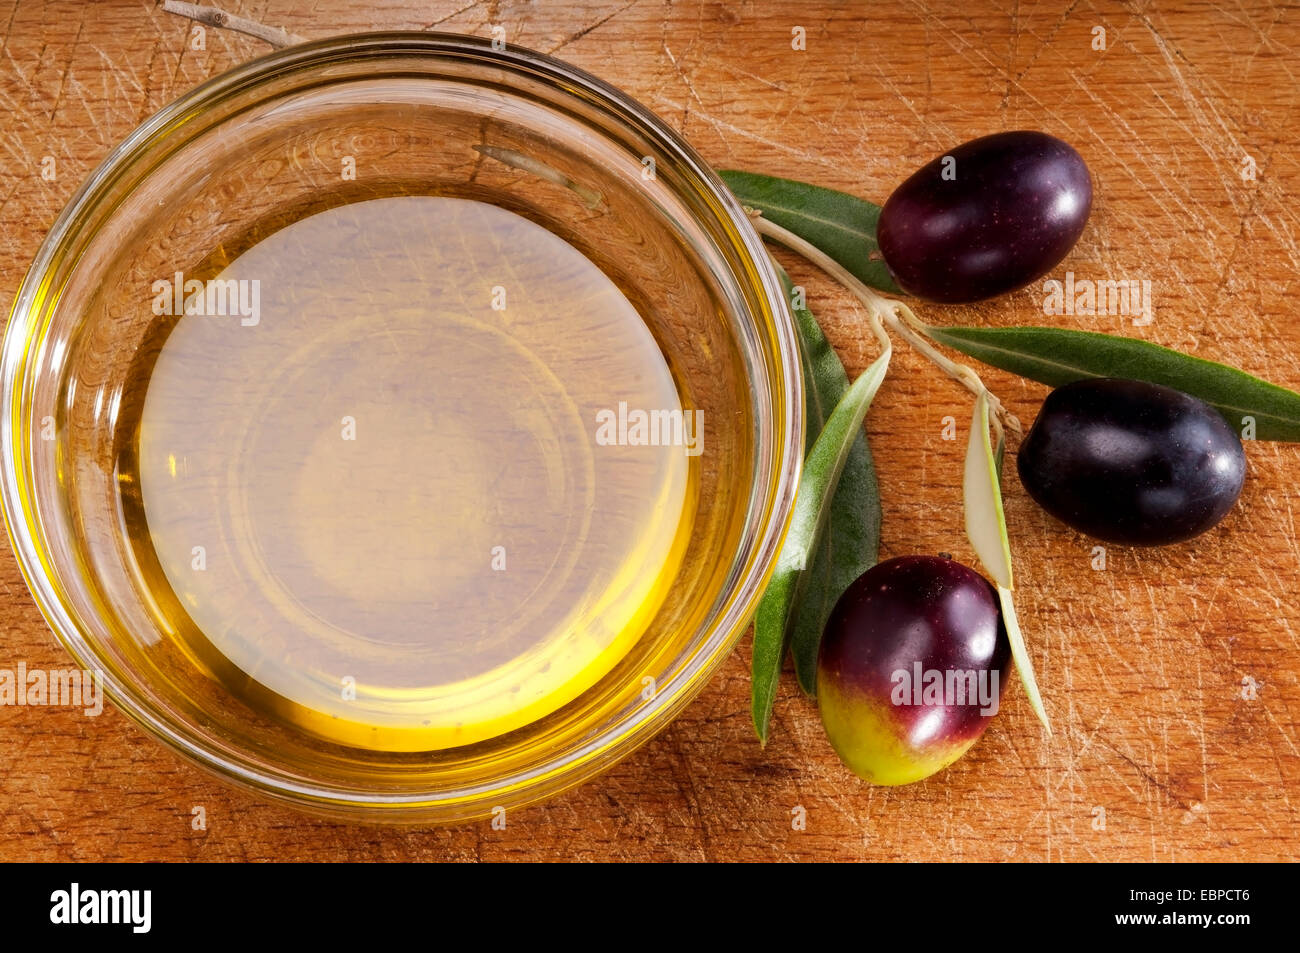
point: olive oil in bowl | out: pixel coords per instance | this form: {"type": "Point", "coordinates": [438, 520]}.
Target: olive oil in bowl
{"type": "Point", "coordinates": [412, 473]}
{"type": "Point", "coordinates": [404, 427]}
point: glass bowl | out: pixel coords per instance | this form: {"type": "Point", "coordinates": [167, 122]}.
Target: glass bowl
{"type": "Point", "coordinates": [320, 126]}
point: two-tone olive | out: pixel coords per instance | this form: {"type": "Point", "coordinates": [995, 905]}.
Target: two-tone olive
{"type": "Point", "coordinates": [912, 663]}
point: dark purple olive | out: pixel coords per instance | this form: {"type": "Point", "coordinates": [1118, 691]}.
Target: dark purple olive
{"type": "Point", "coordinates": [986, 218]}
{"type": "Point", "coordinates": [1131, 462]}
{"type": "Point", "coordinates": [911, 665]}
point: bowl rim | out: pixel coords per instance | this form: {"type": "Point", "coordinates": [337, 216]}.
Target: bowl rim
{"type": "Point", "coordinates": [613, 740]}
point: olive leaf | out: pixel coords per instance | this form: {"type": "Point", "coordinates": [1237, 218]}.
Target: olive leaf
{"type": "Point", "coordinates": [817, 487]}
{"type": "Point", "coordinates": [1020, 655]}
{"type": "Point", "coordinates": [851, 542]}
{"type": "Point", "coordinates": [1057, 356]}
{"type": "Point", "coordinates": [986, 526]}
{"type": "Point", "coordinates": [841, 225]}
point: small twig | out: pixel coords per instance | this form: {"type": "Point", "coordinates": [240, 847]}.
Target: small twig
{"type": "Point", "coordinates": [869, 299]}
{"type": "Point", "coordinates": [886, 345]}
{"type": "Point", "coordinates": [895, 314]}
{"type": "Point", "coordinates": [911, 327]}
{"type": "Point", "coordinates": [211, 16]}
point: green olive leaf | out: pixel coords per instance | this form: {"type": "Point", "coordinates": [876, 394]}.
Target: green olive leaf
{"type": "Point", "coordinates": [1056, 356]}
{"type": "Point", "coordinates": [824, 378]}
{"type": "Point", "coordinates": [769, 649]}
{"type": "Point", "coordinates": [841, 225]}
{"type": "Point", "coordinates": [1020, 655]}
{"type": "Point", "coordinates": [986, 526]}
{"type": "Point", "coordinates": [851, 543]}
{"type": "Point", "coordinates": [817, 487]}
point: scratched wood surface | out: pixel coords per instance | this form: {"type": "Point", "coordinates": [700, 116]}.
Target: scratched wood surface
{"type": "Point", "coordinates": [1142, 663]}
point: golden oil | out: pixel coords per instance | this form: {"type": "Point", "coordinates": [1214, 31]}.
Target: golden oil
{"type": "Point", "coordinates": [399, 475]}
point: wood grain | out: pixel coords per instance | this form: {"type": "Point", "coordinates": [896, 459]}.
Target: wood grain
{"type": "Point", "coordinates": [1141, 664]}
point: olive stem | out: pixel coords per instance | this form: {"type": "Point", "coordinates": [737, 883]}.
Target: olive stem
{"type": "Point", "coordinates": [836, 271]}
{"type": "Point", "coordinates": [212, 16]}
{"type": "Point", "coordinates": [891, 312]}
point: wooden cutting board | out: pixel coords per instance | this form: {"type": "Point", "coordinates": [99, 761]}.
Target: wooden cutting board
{"type": "Point", "coordinates": [1142, 663]}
